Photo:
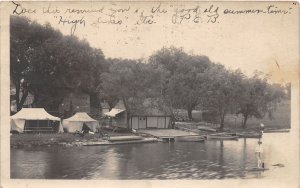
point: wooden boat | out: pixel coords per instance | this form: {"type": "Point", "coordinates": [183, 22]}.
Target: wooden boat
{"type": "Point", "coordinates": [204, 128]}
{"type": "Point", "coordinates": [102, 143]}
{"type": "Point", "coordinates": [190, 139]}
{"type": "Point", "coordinates": [222, 137]}
{"type": "Point", "coordinates": [256, 169]}
{"type": "Point", "coordinates": [123, 138]}
{"type": "Point", "coordinates": [249, 135]}
{"type": "Point", "coordinates": [276, 131]}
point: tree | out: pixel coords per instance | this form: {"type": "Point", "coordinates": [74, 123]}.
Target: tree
{"type": "Point", "coordinates": [49, 65]}
{"type": "Point", "coordinates": [25, 37]}
{"type": "Point", "coordinates": [222, 91]}
{"type": "Point", "coordinates": [181, 77]}
{"type": "Point", "coordinates": [258, 98]}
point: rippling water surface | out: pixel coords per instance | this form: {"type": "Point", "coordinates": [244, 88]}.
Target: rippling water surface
{"type": "Point", "coordinates": [178, 160]}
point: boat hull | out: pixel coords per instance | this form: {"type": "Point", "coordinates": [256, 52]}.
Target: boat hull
{"type": "Point", "coordinates": [190, 139]}
{"type": "Point", "coordinates": [222, 137]}
{"type": "Point", "coordinates": [124, 138]}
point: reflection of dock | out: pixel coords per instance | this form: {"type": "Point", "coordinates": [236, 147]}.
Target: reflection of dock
{"type": "Point", "coordinates": [167, 134]}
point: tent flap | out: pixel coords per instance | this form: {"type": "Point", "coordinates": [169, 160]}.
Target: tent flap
{"type": "Point", "coordinates": [72, 126]}
{"type": "Point", "coordinates": [93, 126]}
{"type": "Point", "coordinates": [17, 125]}
{"type": "Point", "coordinates": [114, 112]}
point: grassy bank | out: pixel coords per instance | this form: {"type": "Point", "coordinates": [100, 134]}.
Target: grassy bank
{"type": "Point", "coordinates": [51, 139]}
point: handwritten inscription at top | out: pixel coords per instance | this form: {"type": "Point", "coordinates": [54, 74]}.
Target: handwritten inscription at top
{"type": "Point", "coordinates": [145, 15]}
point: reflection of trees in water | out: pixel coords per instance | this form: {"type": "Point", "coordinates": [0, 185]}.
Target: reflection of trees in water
{"type": "Point", "coordinates": [144, 157]}
{"type": "Point", "coordinates": [244, 154]}
{"type": "Point", "coordinates": [21, 164]}
{"type": "Point", "coordinates": [130, 157]}
{"type": "Point", "coordinates": [76, 162]}
{"type": "Point", "coordinates": [222, 170]}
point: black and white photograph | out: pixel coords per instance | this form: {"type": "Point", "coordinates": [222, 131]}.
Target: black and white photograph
{"type": "Point", "coordinates": [154, 91]}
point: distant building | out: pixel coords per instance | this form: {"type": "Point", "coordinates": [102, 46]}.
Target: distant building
{"type": "Point", "coordinates": [151, 118]}
{"type": "Point", "coordinates": [151, 114]}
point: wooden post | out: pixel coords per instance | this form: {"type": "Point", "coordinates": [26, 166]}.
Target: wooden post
{"type": "Point", "coordinates": [146, 121]}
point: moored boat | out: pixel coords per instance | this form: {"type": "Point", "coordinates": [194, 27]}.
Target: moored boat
{"type": "Point", "coordinates": [124, 138]}
{"type": "Point", "coordinates": [204, 128]}
{"type": "Point", "coordinates": [276, 130]}
{"type": "Point", "coordinates": [249, 135]}
{"type": "Point", "coordinates": [222, 137]}
{"type": "Point", "coordinates": [105, 142]}
{"type": "Point", "coordinates": [190, 139]}
{"type": "Point", "coordinates": [256, 169]}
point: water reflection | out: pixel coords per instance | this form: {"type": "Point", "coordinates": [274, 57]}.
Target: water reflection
{"type": "Point", "coordinates": [179, 160]}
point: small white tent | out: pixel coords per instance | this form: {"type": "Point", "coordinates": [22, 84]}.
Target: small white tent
{"type": "Point", "coordinates": [75, 123]}
{"type": "Point", "coordinates": [17, 121]}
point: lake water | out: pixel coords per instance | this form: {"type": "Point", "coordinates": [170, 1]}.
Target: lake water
{"type": "Point", "coordinates": [178, 160]}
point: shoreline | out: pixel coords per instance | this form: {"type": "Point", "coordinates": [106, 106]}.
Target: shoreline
{"type": "Point", "coordinates": [71, 140]}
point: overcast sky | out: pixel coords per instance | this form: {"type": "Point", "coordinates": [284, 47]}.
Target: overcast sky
{"type": "Point", "coordinates": [265, 42]}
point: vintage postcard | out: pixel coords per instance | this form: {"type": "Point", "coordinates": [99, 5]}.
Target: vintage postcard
{"type": "Point", "coordinates": [149, 94]}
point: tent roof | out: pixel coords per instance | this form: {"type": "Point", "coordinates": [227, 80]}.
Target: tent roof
{"type": "Point", "coordinates": [80, 116]}
{"type": "Point", "coordinates": [34, 114]}
{"type": "Point", "coordinates": [113, 112]}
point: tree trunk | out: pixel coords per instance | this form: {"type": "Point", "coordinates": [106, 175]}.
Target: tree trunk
{"type": "Point", "coordinates": [127, 120]}
{"type": "Point", "coordinates": [222, 123]}
{"type": "Point", "coordinates": [222, 118]}
{"type": "Point", "coordinates": [190, 114]}
{"type": "Point", "coordinates": [17, 95]}
{"type": "Point", "coordinates": [22, 101]}
{"type": "Point", "coordinates": [245, 120]}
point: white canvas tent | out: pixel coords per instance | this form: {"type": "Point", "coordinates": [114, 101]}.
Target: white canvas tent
{"type": "Point", "coordinates": [17, 121]}
{"type": "Point", "coordinates": [75, 123]}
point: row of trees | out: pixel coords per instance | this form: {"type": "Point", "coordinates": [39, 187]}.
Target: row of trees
{"type": "Point", "coordinates": [186, 81]}
{"type": "Point", "coordinates": [49, 65]}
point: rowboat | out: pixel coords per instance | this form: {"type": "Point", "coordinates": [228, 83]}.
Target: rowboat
{"type": "Point", "coordinates": [249, 135]}
{"type": "Point", "coordinates": [190, 139]}
{"type": "Point", "coordinates": [276, 130]}
{"type": "Point", "coordinates": [123, 138]}
{"type": "Point", "coordinates": [103, 143]}
{"type": "Point", "coordinates": [204, 128]}
{"type": "Point", "coordinates": [256, 169]}
{"type": "Point", "coordinates": [222, 137]}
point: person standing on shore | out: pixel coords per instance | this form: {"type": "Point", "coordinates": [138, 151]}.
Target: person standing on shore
{"type": "Point", "coordinates": [259, 151]}
{"type": "Point", "coordinates": [259, 148]}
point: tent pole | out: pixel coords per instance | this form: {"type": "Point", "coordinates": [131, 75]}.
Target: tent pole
{"type": "Point", "coordinates": [25, 126]}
